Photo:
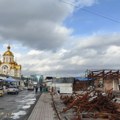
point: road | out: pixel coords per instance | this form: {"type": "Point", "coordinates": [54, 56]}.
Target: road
{"type": "Point", "coordinates": [17, 107]}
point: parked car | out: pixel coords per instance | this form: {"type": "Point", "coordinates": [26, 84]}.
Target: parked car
{"type": "Point", "coordinates": [12, 90]}
{"type": "Point", "coordinates": [1, 91]}
{"type": "Point", "coordinates": [1, 88]}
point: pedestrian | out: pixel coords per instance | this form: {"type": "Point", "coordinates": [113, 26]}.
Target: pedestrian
{"type": "Point", "coordinates": [36, 89]}
{"type": "Point", "coordinates": [58, 92]}
{"type": "Point", "coordinates": [40, 88]}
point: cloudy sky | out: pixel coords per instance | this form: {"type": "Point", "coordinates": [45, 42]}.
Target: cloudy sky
{"type": "Point", "coordinates": [61, 37]}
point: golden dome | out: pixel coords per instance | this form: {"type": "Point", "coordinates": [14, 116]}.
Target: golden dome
{"type": "Point", "coordinates": [18, 67]}
{"type": "Point", "coordinates": [8, 52]}
{"type": "Point", "coordinates": [14, 65]}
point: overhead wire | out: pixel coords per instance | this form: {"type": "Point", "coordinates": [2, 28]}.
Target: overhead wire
{"type": "Point", "coordinates": [92, 12]}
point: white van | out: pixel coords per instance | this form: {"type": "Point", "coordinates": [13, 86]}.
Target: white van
{"type": "Point", "coordinates": [30, 87]}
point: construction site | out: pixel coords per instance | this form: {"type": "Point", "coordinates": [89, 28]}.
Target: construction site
{"type": "Point", "coordinates": [97, 99]}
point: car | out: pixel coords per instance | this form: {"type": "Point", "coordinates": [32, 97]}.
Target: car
{"type": "Point", "coordinates": [30, 87]}
{"type": "Point", "coordinates": [12, 90]}
{"type": "Point", "coordinates": [1, 91]}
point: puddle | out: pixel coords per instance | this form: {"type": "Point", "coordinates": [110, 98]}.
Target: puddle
{"type": "Point", "coordinates": [26, 107]}
{"type": "Point", "coordinates": [30, 102]}
{"type": "Point", "coordinates": [17, 115]}
{"type": "Point", "coordinates": [25, 101]}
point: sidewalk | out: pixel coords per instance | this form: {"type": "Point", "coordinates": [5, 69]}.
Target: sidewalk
{"type": "Point", "coordinates": [43, 109]}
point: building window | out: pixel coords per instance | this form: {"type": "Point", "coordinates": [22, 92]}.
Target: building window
{"type": "Point", "coordinates": [5, 67]}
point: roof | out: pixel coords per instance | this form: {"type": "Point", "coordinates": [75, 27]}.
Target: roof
{"type": "Point", "coordinates": [83, 79]}
{"type": "Point", "coordinates": [65, 80]}
{"type": "Point", "coordinates": [10, 79]}
{"type": "Point", "coordinates": [8, 52]}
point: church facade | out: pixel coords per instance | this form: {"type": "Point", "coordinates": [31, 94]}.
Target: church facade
{"type": "Point", "coordinates": [8, 66]}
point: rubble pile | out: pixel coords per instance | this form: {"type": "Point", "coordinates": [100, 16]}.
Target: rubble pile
{"type": "Point", "coordinates": [92, 104]}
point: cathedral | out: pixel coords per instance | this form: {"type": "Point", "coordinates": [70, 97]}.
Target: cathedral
{"type": "Point", "coordinates": [8, 66]}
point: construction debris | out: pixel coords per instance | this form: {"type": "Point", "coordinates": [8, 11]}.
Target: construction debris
{"type": "Point", "coordinates": [92, 104]}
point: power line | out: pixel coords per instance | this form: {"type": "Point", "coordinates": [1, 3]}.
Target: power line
{"type": "Point", "coordinates": [103, 16]}
{"type": "Point", "coordinates": [92, 12]}
{"type": "Point", "coordinates": [72, 4]}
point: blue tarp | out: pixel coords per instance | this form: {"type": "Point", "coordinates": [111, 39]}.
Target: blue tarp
{"type": "Point", "coordinates": [83, 79]}
{"type": "Point", "coordinates": [10, 79]}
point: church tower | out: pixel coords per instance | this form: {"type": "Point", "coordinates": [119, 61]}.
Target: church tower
{"type": "Point", "coordinates": [8, 66]}
{"type": "Point", "coordinates": [8, 56]}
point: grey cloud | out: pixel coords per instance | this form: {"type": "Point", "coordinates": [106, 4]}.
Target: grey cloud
{"type": "Point", "coordinates": [99, 40]}
{"type": "Point", "coordinates": [93, 45]}
{"type": "Point", "coordinates": [38, 34]}
{"type": "Point", "coordinates": [59, 66]}
{"type": "Point", "coordinates": [25, 10]}
{"type": "Point", "coordinates": [98, 55]}
{"type": "Point", "coordinates": [34, 22]}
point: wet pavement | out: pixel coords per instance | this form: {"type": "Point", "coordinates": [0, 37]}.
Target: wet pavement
{"type": "Point", "coordinates": [17, 107]}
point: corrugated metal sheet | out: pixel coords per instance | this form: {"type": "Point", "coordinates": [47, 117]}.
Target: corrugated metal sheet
{"type": "Point", "coordinates": [83, 79]}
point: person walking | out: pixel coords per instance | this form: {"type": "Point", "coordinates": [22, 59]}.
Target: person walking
{"type": "Point", "coordinates": [36, 89]}
{"type": "Point", "coordinates": [41, 88]}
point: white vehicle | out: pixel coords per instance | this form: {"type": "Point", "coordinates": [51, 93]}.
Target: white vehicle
{"type": "Point", "coordinates": [30, 87]}
{"type": "Point", "coordinates": [12, 90]}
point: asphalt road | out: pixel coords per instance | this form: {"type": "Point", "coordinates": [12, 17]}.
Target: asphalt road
{"type": "Point", "coordinates": [17, 107]}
